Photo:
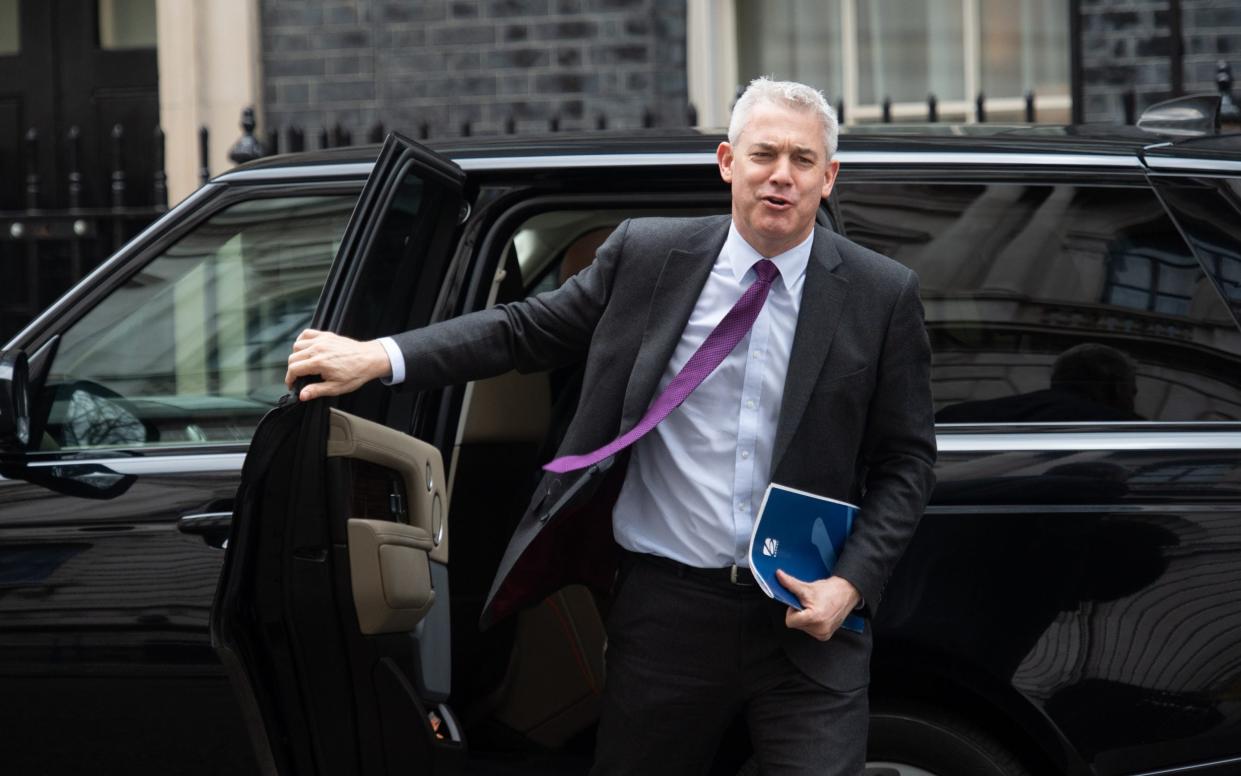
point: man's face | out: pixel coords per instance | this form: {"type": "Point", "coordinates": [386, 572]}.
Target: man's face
{"type": "Point", "coordinates": [779, 173]}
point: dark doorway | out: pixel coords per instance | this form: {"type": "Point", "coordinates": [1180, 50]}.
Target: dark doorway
{"type": "Point", "coordinates": [89, 64]}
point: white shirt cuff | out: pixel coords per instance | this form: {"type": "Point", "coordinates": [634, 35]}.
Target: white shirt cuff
{"type": "Point", "coordinates": [395, 359]}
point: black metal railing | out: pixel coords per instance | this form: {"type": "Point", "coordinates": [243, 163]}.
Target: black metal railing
{"type": "Point", "coordinates": [292, 138]}
{"type": "Point", "coordinates": [54, 235]}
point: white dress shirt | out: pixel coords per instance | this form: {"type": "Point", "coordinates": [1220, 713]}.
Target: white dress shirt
{"type": "Point", "coordinates": [695, 481]}
{"type": "Point", "coordinates": [395, 360]}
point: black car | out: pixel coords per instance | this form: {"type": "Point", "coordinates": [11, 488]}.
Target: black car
{"type": "Point", "coordinates": [1071, 602]}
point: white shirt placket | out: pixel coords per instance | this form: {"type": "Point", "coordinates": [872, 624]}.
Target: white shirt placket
{"type": "Point", "coordinates": [749, 418]}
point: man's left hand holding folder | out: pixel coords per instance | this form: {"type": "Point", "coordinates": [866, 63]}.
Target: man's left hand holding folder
{"type": "Point", "coordinates": [825, 604]}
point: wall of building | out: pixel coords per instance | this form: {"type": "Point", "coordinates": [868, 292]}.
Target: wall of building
{"type": "Point", "coordinates": [447, 62]}
{"type": "Point", "coordinates": [1128, 44]}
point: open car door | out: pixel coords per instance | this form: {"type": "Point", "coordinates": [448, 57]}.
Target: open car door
{"type": "Point", "coordinates": [339, 522]}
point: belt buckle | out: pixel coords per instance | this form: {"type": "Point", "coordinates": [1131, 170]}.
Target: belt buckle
{"type": "Point", "coordinates": [733, 572]}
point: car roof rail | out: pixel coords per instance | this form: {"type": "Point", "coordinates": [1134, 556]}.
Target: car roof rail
{"type": "Point", "coordinates": [1194, 115]}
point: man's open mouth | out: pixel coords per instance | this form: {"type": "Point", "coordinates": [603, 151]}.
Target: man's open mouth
{"type": "Point", "coordinates": [775, 201]}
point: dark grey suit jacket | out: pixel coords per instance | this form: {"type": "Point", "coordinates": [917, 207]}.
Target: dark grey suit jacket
{"type": "Point", "coordinates": [855, 424]}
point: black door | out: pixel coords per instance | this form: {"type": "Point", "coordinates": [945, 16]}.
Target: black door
{"type": "Point", "coordinates": [73, 67]}
{"type": "Point", "coordinates": [332, 508]}
{"type": "Point", "coordinates": [72, 64]}
{"type": "Point", "coordinates": [1073, 564]}
{"type": "Point", "coordinates": [151, 384]}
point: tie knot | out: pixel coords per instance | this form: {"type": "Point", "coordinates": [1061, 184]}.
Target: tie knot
{"type": "Point", "coordinates": [766, 270]}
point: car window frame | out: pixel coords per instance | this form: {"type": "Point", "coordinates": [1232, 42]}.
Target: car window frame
{"type": "Point", "coordinates": [95, 289]}
{"type": "Point", "coordinates": [436, 415]}
{"type": "Point", "coordinates": [986, 174]}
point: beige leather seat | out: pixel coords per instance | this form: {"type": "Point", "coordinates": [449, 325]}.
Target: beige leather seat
{"type": "Point", "coordinates": [554, 681]}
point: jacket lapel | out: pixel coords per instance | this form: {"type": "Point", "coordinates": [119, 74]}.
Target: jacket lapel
{"type": "Point", "coordinates": [680, 282]}
{"type": "Point", "coordinates": [822, 300]}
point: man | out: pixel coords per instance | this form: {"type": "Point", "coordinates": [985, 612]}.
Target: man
{"type": "Point", "coordinates": [771, 350]}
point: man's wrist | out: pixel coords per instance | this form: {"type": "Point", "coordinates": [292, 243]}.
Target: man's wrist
{"type": "Point", "coordinates": [395, 372]}
{"type": "Point", "coordinates": [857, 594]}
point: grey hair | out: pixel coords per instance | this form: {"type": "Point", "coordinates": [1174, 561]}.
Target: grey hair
{"type": "Point", "coordinates": [763, 90]}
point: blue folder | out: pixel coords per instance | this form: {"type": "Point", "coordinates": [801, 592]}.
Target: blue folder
{"type": "Point", "coordinates": [802, 534]}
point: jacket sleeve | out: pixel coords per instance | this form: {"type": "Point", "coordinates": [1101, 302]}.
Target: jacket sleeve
{"type": "Point", "coordinates": [898, 452]}
{"type": "Point", "coordinates": [542, 332]}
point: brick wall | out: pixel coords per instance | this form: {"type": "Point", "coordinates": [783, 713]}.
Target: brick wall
{"type": "Point", "coordinates": [1127, 44]}
{"type": "Point", "coordinates": [447, 62]}
{"type": "Point", "coordinates": [1212, 32]}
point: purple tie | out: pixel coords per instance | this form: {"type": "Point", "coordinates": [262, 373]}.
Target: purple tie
{"type": "Point", "coordinates": [718, 344]}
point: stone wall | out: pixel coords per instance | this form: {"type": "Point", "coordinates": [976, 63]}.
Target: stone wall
{"type": "Point", "coordinates": [446, 63]}
{"type": "Point", "coordinates": [1128, 44]}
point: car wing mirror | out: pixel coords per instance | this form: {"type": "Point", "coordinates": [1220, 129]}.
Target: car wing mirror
{"type": "Point", "coordinates": [14, 402]}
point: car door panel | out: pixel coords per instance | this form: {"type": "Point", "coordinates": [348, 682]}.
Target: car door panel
{"type": "Point", "coordinates": [105, 606]}
{"type": "Point", "coordinates": [112, 535]}
{"type": "Point", "coordinates": [1089, 542]}
{"type": "Point", "coordinates": [1096, 583]}
{"type": "Point", "coordinates": [341, 522]}
{"type": "Point", "coordinates": [390, 558]}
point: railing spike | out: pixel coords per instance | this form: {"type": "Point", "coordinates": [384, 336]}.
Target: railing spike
{"type": "Point", "coordinates": [73, 148]}
{"type": "Point", "coordinates": [32, 169]}
{"type": "Point", "coordinates": [204, 158]}
{"type": "Point", "coordinates": [160, 182]}
{"type": "Point", "coordinates": [118, 166]}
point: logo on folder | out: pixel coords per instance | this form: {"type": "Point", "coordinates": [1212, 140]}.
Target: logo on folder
{"type": "Point", "coordinates": [771, 546]}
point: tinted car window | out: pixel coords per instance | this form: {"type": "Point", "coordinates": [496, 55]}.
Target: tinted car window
{"type": "Point", "coordinates": [553, 246]}
{"type": "Point", "coordinates": [192, 349]}
{"type": "Point", "coordinates": [1056, 303]}
{"type": "Point", "coordinates": [1209, 211]}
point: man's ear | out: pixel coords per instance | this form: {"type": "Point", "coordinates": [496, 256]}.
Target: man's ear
{"type": "Point", "coordinates": [724, 155]}
{"type": "Point", "coordinates": [829, 176]}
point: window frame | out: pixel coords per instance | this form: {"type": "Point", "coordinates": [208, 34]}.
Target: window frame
{"type": "Point", "coordinates": [896, 174]}
{"type": "Point", "coordinates": [437, 416]}
{"type": "Point", "coordinates": [117, 271]}
{"type": "Point", "coordinates": [714, 75]}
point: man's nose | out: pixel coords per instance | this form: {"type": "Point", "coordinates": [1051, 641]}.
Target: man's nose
{"type": "Point", "coordinates": [782, 171]}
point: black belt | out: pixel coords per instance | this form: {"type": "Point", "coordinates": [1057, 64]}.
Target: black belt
{"type": "Point", "coordinates": [735, 575]}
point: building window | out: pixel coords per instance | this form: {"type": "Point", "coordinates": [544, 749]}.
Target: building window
{"type": "Point", "coordinates": [788, 38]}
{"type": "Point", "coordinates": [126, 24]}
{"type": "Point", "coordinates": [1024, 45]}
{"type": "Point", "coordinates": [861, 52]}
{"type": "Point", "coordinates": [909, 50]}
{"type": "Point", "coordinates": [10, 28]}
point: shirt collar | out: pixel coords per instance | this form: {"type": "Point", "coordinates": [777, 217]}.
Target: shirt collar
{"type": "Point", "coordinates": [742, 256]}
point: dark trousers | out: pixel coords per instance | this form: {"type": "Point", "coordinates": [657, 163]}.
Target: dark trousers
{"type": "Point", "coordinates": [686, 653]}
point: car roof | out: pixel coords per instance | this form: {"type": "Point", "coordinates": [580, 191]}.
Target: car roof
{"type": "Point", "coordinates": [1105, 143]}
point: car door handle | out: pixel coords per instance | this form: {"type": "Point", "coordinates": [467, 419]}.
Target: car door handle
{"type": "Point", "coordinates": [212, 526]}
